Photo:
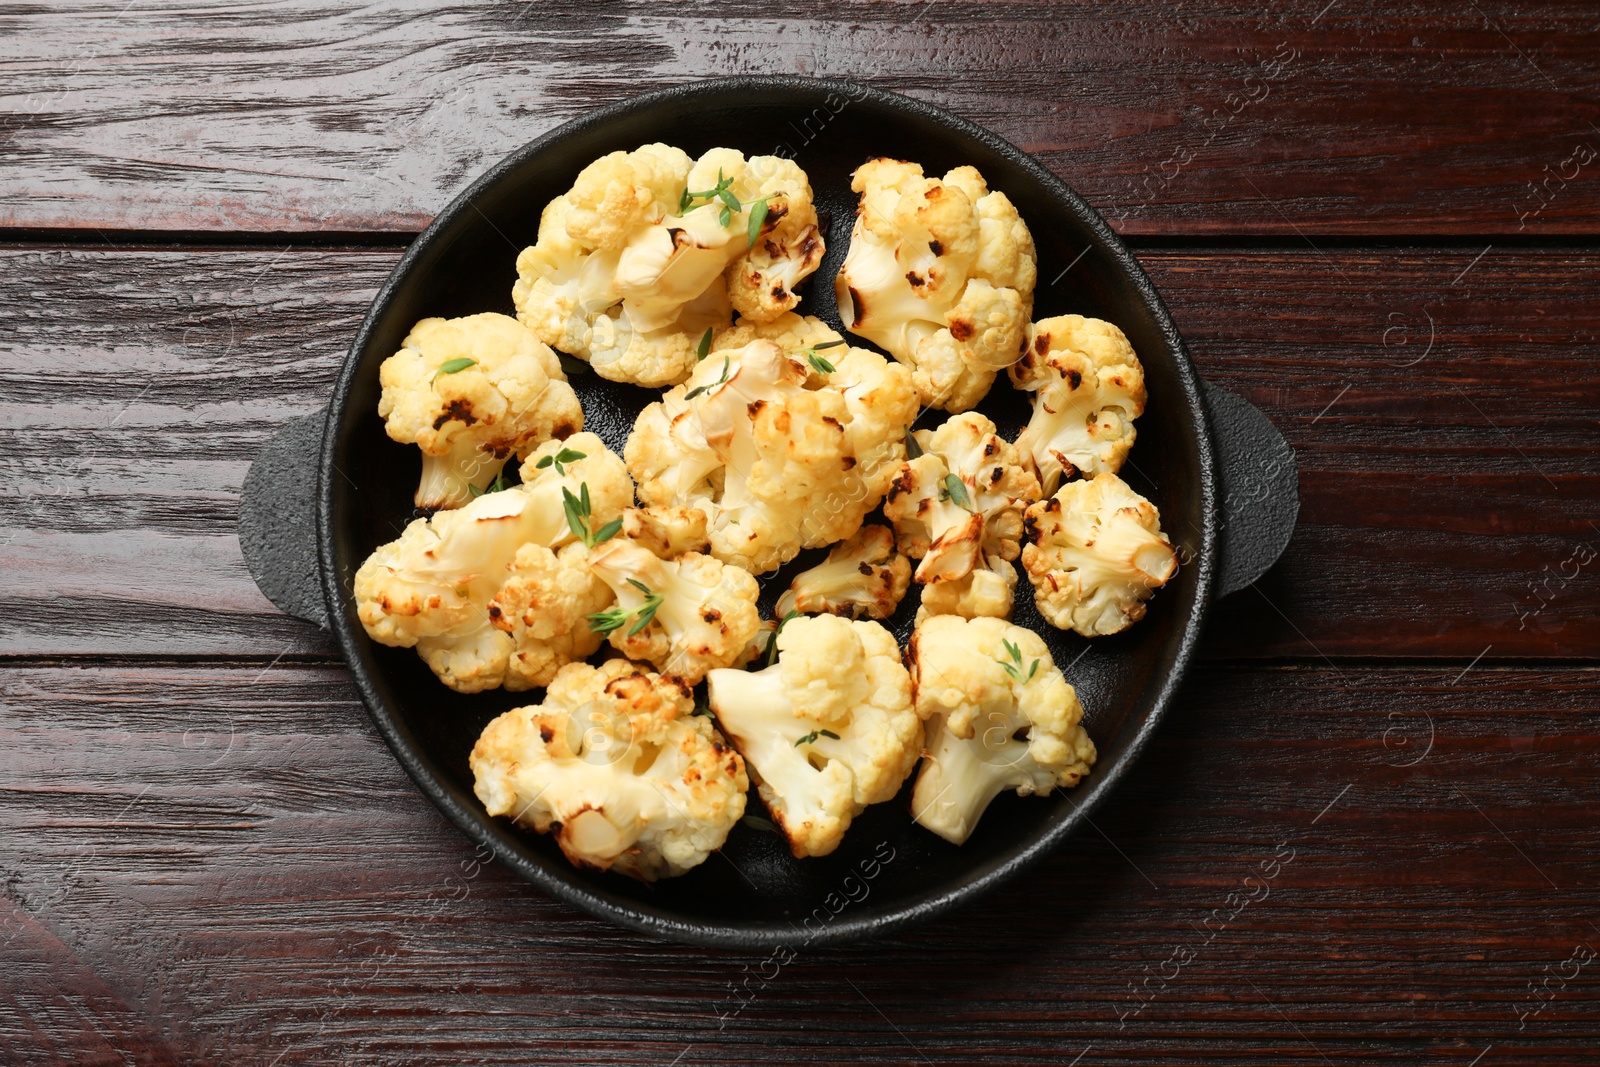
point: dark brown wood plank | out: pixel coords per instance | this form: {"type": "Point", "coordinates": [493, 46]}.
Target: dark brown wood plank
{"type": "Point", "coordinates": [235, 862]}
{"type": "Point", "coordinates": [140, 391]}
{"type": "Point", "coordinates": [1216, 118]}
{"type": "Point", "coordinates": [1447, 505]}
{"type": "Point", "coordinates": [1445, 412]}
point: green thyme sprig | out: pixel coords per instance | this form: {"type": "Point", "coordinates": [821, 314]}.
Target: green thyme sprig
{"type": "Point", "coordinates": [697, 390]}
{"type": "Point", "coordinates": [723, 191]}
{"type": "Point", "coordinates": [955, 491]}
{"type": "Point", "coordinates": [1014, 668]}
{"type": "Point", "coordinates": [913, 450]}
{"type": "Point", "coordinates": [813, 735]}
{"type": "Point", "coordinates": [603, 622]}
{"type": "Point", "coordinates": [821, 365]}
{"type": "Point", "coordinates": [578, 516]}
{"type": "Point", "coordinates": [566, 455]}
{"type": "Point", "coordinates": [758, 215]}
{"type": "Point", "coordinates": [705, 346]}
{"type": "Point", "coordinates": [772, 643]}
{"type": "Point", "coordinates": [453, 366]}
{"type": "Point", "coordinates": [495, 486]}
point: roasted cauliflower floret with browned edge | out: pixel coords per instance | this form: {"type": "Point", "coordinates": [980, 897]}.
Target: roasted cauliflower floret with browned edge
{"type": "Point", "coordinates": [470, 393]}
{"type": "Point", "coordinates": [668, 532]}
{"type": "Point", "coordinates": [960, 500]}
{"type": "Point", "coordinates": [432, 588]}
{"type": "Point", "coordinates": [648, 250]}
{"type": "Point", "coordinates": [544, 606]}
{"type": "Point", "coordinates": [1088, 387]}
{"type": "Point", "coordinates": [988, 590]}
{"type": "Point", "coordinates": [940, 275]}
{"type": "Point", "coordinates": [618, 768]}
{"type": "Point", "coordinates": [685, 615]}
{"type": "Point", "coordinates": [826, 730]}
{"type": "Point", "coordinates": [1095, 554]}
{"type": "Point", "coordinates": [777, 461]}
{"type": "Point", "coordinates": [862, 577]}
{"type": "Point", "coordinates": [999, 716]}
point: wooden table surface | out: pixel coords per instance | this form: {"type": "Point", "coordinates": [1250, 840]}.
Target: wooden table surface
{"type": "Point", "coordinates": [1379, 222]}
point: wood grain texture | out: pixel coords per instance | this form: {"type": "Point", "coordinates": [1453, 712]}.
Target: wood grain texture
{"type": "Point", "coordinates": [208, 864]}
{"type": "Point", "coordinates": [208, 857]}
{"type": "Point", "coordinates": [1448, 505]}
{"type": "Point", "coordinates": [1207, 117]}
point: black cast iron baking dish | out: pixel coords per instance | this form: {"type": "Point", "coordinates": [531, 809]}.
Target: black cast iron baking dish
{"type": "Point", "coordinates": [332, 487]}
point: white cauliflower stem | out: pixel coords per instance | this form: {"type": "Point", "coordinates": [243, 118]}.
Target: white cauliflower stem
{"type": "Point", "coordinates": [432, 588]}
{"type": "Point", "coordinates": [1095, 554]}
{"type": "Point", "coordinates": [615, 764]}
{"type": "Point", "coordinates": [826, 730]}
{"type": "Point", "coordinates": [1088, 387]}
{"type": "Point", "coordinates": [685, 616]}
{"type": "Point", "coordinates": [648, 250]}
{"type": "Point", "coordinates": [863, 576]}
{"type": "Point", "coordinates": [1000, 716]}
{"type": "Point", "coordinates": [961, 500]}
{"type": "Point", "coordinates": [940, 274]}
{"type": "Point", "coordinates": [775, 465]}
{"type": "Point", "coordinates": [470, 393]}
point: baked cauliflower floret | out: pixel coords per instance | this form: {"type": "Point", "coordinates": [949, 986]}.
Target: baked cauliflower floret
{"type": "Point", "coordinates": [1000, 716]}
{"type": "Point", "coordinates": [1088, 387]}
{"type": "Point", "coordinates": [1095, 554]}
{"type": "Point", "coordinates": [615, 764]}
{"type": "Point", "coordinates": [863, 576]}
{"type": "Point", "coordinates": [432, 587]}
{"type": "Point", "coordinates": [987, 590]}
{"type": "Point", "coordinates": [940, 274]}
{"type": "Point", "coordinates": [628, 270]}
{"type": "Point", "coordinates": [826, 730]}
{"type": "Point", "coordinates": [685, 616]}
{"type": "Point", "coordinates": [771, 462]}
{"type": "Point", "coordinates": [469, 393]}
{"type": "Point", "coordinates": [961, 500]}
{"type": "Point", "coordinates": [544, 606]}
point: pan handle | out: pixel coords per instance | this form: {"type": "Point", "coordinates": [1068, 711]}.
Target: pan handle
{"type": "Point", "coordinates": [1258, 489]}
{"type": "Point", "coordinates": [278, 520]}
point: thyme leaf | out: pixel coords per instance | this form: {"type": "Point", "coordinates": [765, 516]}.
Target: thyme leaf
{"type": "Point", "coordinates": [566, 455]}
{"type": "Point", "coordinates": [697, 390]}
{"type": "Point", "coordinates": [758, 215]}
{"type": "Point", "coordinates": [772, 642]}
{"type": "Point", "coordinates": [452, 366]}
{"type": "Point", "coordinates": [956, 491]}
{"type": "Point", "coordinates": [603, 622]}
{"type": "Point", "coordinates": [813, 735]}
